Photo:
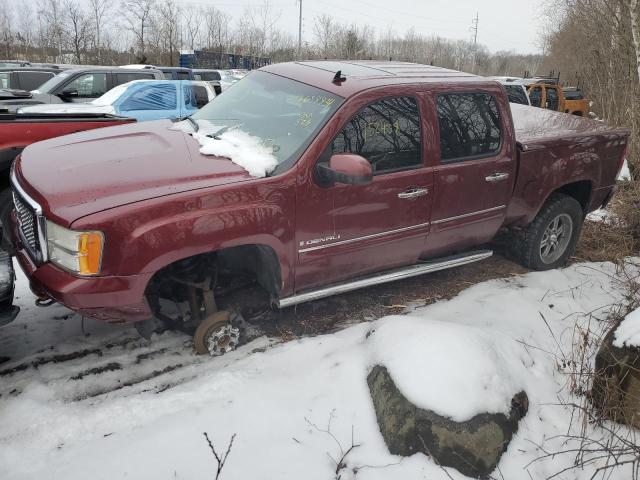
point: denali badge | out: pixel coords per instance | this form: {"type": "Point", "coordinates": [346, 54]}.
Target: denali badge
{"type": "Point", "coordinates": [315, 241]}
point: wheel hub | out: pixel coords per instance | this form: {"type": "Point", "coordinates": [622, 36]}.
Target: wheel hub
{"type": "Point", "coordinates": [556, 238]}
{"type": "Point", "coordinates": [223, 340]}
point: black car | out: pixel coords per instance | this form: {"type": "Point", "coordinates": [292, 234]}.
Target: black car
{"type": "Point", "coordinates": [87, 83]}
{"type": "Point", "coordinates": [25, 78]}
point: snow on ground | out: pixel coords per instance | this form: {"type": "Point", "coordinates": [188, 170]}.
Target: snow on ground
{"type": "Point", "coordinates": [127, 408]}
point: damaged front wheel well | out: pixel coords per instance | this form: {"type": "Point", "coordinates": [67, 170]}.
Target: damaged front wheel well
{"type": "Point", "coordinates": [245, 277]}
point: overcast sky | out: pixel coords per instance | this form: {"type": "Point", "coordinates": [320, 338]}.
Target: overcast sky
{"type": "Point", "coordinates": [503, 24]}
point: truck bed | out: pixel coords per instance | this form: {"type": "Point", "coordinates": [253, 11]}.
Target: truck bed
{"type": "Point", "coordinates": [558, 149]}
{"type": "Point", "coordinates": [540, 128]}
{"type": "Point", "coordinates": [20, 130]}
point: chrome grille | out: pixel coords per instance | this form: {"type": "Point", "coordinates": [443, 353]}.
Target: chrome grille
{"type": "Point", "coordinates": [26, 222]}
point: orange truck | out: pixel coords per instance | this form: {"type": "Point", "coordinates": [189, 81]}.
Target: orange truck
{"type": "Point", "coordinates": [547, 93]}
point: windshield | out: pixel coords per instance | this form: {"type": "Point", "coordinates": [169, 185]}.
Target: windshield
{"type": "Point", "coordinates": [112, 95]}
{"type": "Point", "coordinates": [52, 83]}
{"type": "Point", "coordinates": [284, 114]}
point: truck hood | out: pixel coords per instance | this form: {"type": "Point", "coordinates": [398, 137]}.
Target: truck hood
{"type": "Point", "coordinates": [88, 172]}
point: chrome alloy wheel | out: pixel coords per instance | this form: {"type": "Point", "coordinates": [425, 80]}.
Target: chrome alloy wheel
{"type": "Point", "coordinates": [556, 238]}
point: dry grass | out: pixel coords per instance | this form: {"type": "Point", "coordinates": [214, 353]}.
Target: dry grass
{"type": "Point", "coordinates": [619, 236]}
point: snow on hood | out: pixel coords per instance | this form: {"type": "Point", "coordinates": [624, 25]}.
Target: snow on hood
{"type": "Point", "coordinates": [243, 149]}
{"type": "Point", "coordinates": [628, 332]}
{"type": "Point", "coordinates": [457, 371]}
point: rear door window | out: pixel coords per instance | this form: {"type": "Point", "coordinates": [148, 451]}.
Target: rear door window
{"type": "Point", "coordinates": [195, 96]}
{"type": "Point", "coordinates": [32, 80]}
{"type": "Point", "coordinates": [151, 97]}
{"type": "Point", "coordinates": [386, 133]}
{"type": "Point", "coordinates": [469, 126]}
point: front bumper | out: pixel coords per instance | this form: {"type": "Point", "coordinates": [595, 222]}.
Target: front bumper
{"type": "Point", "coordinates": [112, 299]}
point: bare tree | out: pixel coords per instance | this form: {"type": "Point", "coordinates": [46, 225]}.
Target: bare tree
{"type": "Point", "coordinates": [137, 17]}
{"type": "Point", "coordinates": [324, 29]}
{"type": "Point", "coordinates": [100, 10]}
{"type": "Point", "coordinates": [193, 23]}
{"type": "Point", "coordinates": [79, 28]}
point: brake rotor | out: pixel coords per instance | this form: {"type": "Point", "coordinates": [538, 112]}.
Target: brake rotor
{"type": "Point", "coordinates": [216, 335]}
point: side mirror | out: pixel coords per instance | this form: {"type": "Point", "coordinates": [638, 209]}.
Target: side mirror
{"type": "Point", "coordinates": [346, 168]}
{"type": "Point", "coordinates": [69, 92]}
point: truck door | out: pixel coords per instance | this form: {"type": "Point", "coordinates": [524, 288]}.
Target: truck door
{"type": "Point", "coordinates": [535, 95]}
{"type": "Point", "coordinates": [476, 172]}
{"type": "Point", "coordinates": [553, 100]}
{"type": "Point", "coordinates": [348, 230]}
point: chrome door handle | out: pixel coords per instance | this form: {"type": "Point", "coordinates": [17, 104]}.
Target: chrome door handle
{"type": "Point", "coordinates": [413, 193]}
{"type": "Point", "coordinates": [496, 177]}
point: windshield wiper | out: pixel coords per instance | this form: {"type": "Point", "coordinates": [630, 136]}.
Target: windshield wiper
{"type": "Point", "coordinates": [196, 127]}
{"type": "Point", "coordinates": [217, 134]}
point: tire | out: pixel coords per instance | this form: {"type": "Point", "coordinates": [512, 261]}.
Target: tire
{"type": "Point", "coordinates": [545, 243]}
{"type": "Point", "coordinates": [6, 207]}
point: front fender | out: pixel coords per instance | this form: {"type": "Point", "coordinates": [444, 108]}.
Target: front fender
{"type": "Point", "coordinates": [147, 236]}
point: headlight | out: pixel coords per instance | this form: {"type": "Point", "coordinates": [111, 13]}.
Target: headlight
{"type": "Point", "coordinates": [78, 252]}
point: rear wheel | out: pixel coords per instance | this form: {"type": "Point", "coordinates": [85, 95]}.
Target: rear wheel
{"type": "Point", "coordinates": [551, 238]}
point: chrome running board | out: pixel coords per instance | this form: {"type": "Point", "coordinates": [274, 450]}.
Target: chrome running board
{"type": "Point", "coordinates": [390, 276]}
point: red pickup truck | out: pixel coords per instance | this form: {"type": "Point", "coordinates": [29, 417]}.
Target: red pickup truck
{"type": "Point", "coordinates": [383, 171]}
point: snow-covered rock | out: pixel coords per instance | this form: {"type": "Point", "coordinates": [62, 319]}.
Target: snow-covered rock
{"type": "Point", "coordinates": [628, 332]}
{"type": "Point", "coordinates": [458, 371]}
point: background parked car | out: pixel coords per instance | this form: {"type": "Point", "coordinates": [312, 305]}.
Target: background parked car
{"type": "Point", "coordinates": [170, 73]}
{"type": "Point", "coordinates": [26, 78]}
{"type": "Point", "coordinates": [14, 63]}
{"type": "Point", "coordinates": [516, 91]}
{"type": "Point", "coordinates": [546, 93]}
{"type": "Point", "coordinates": [213, 77]}
{"type": "Point", "coordinates": [142, 100]}
{"type": "Point", "coordinates": [227, 78]}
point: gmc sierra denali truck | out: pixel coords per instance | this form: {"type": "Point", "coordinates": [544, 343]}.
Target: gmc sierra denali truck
{"type": "Point", "coordinates": [384, 171]}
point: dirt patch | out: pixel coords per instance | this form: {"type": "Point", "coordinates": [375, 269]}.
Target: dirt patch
{"type": "Point", "coordinates": [330, 314]}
